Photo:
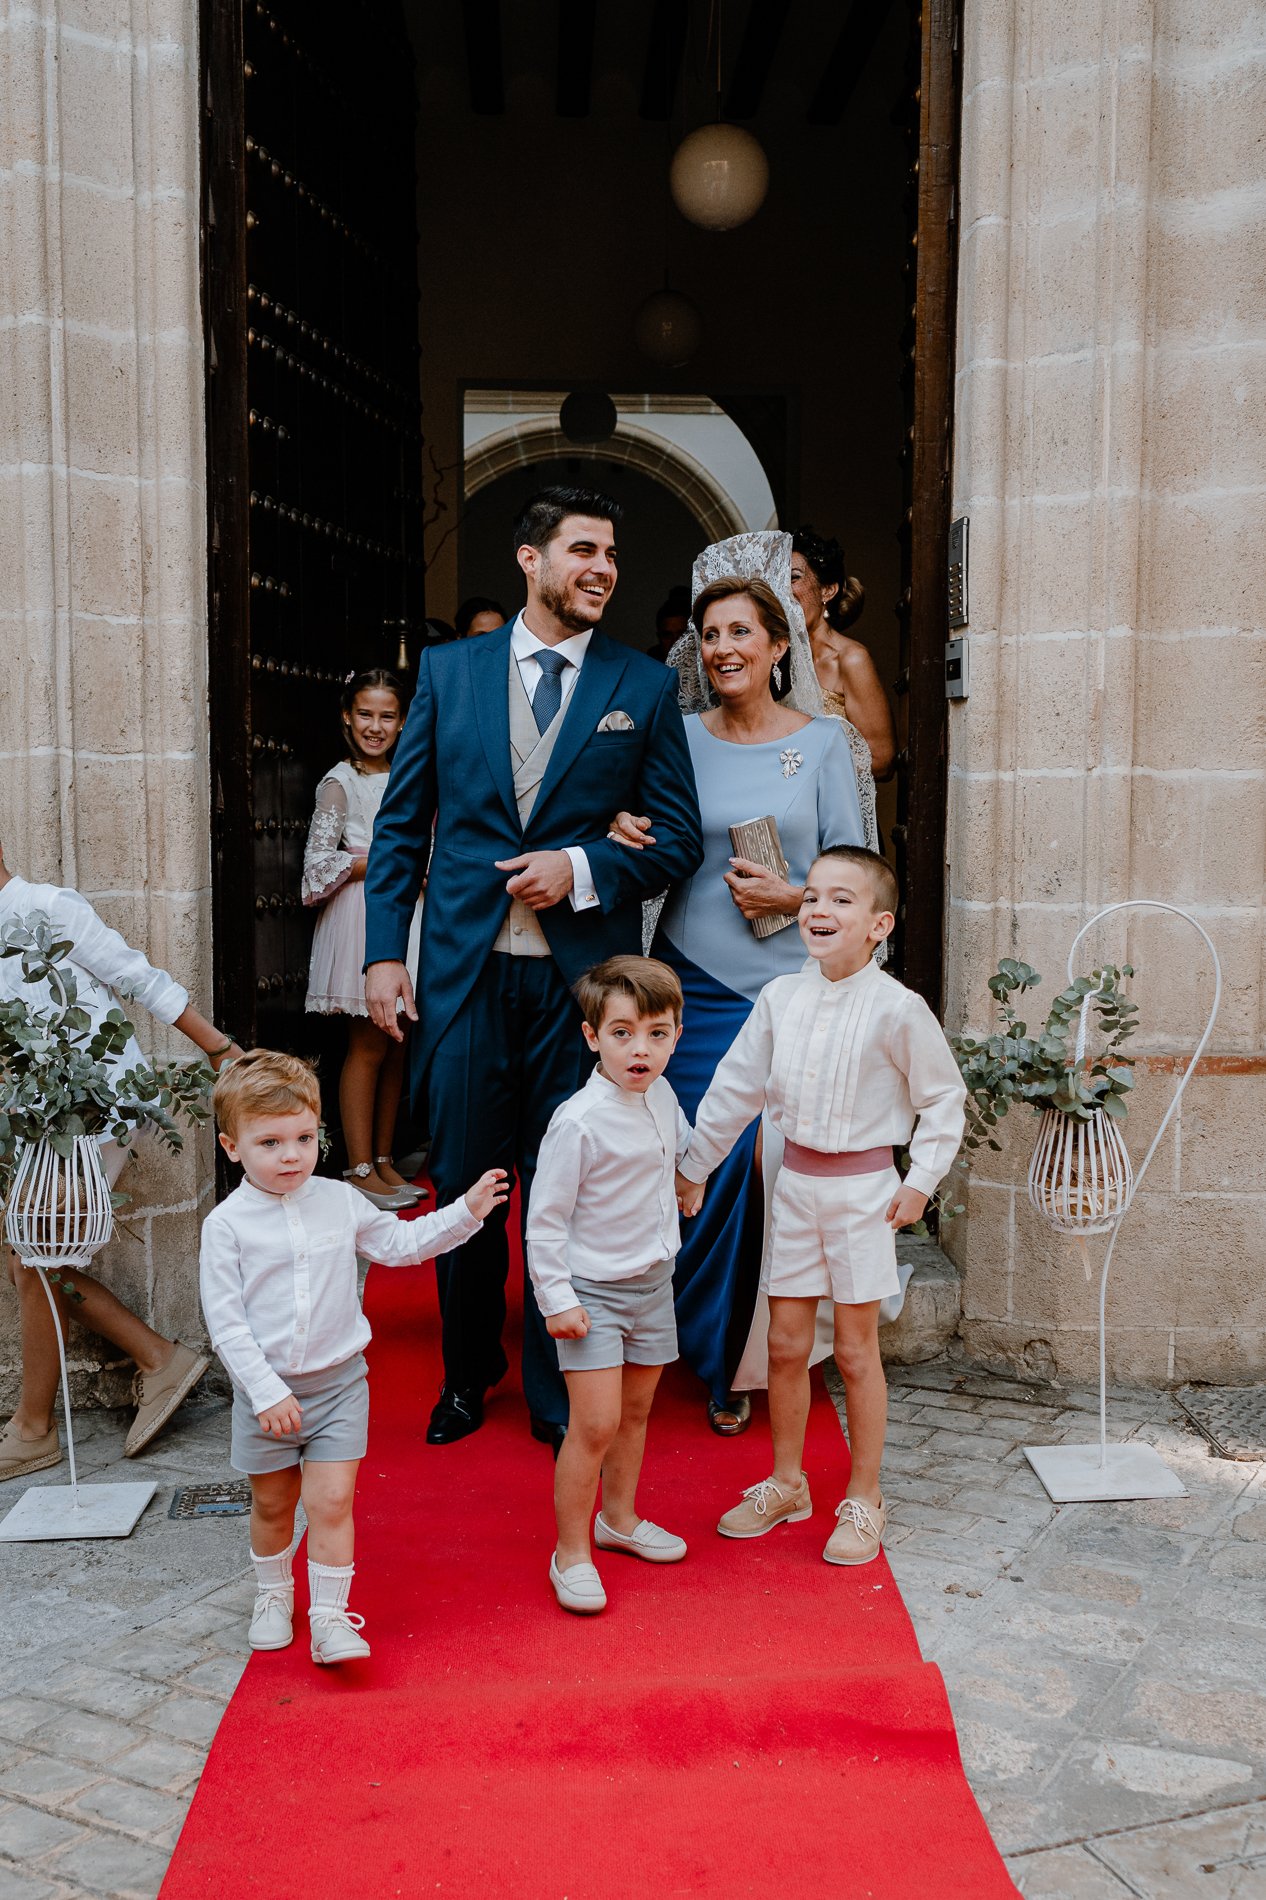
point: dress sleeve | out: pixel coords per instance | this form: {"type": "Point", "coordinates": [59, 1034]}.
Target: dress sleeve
{"type": "Point", "coordinates": [105, 955]}
{"type": "Point", "coordinates": [839, 808]}
{"type": "Point", "coordinates": [326, 868]}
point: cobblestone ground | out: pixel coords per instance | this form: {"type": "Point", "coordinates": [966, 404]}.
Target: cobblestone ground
{"type": "Point", "coordinates": [1106, 1663]}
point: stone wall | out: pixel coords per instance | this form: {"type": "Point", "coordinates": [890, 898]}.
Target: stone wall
{"type": "Point", "coordinates": [103, 719]}
{"type": "Point", "coordinates": [1111, 454]}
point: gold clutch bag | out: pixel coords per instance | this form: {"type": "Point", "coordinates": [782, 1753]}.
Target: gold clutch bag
{"type": "Point", "coordinates": [757, 839]}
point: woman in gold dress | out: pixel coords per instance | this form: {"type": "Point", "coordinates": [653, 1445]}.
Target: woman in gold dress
{"type": "Point", "coordinates": [831, 600]}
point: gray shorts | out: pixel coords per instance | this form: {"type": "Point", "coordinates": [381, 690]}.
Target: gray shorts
{"type": "Point", "coordinates": [631, 1323]}
{"type": "Point", "coordinates": [335, 1407]}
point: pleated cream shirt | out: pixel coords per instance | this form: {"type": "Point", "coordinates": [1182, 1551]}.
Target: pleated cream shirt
{"type": "Point", "coordinates": [839, 1066]}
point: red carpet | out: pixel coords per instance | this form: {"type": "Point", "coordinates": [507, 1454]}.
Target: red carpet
{"type": "Point", "coordinates": [752, 1724]}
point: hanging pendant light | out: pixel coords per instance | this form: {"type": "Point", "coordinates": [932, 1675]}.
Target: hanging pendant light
{"type": "Point", "coordinates": [719, 177]}
{"type": "Point", "coordinates": [588, 416]}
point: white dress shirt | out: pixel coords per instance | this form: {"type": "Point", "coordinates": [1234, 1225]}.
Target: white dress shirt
{"type": "Point", "coordinates": [840, 1067]}
{"type": "Point", "coordinates": [277, 1275]}
{"type": "Point", "coordinates": [525, 646]}
{"type": "Point", "coordinates": [106, 969]}
{"type": "Point", "coordinates": [603, 1204]}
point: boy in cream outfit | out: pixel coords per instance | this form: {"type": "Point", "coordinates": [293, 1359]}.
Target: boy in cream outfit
{"type": "Point", "coordinates": [842, 1057]}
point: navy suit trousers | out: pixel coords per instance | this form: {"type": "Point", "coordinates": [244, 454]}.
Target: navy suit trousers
{"type": "Point", "coordinates": [501, 1067]}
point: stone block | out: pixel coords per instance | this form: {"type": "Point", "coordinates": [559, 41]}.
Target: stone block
{"type": "Point", "coordinates": [984, 269]}
{"type": "Point", "coordinates": [1203, 708]}
{"type": "Point", "coordinates": [104, 553]}
{"type": "Point", "coordinates": [109, 1863]}
{"type": "Point", "coordinates": [174, 1247]}
{"type": "Point", "coordinates": [185, 1718]}
{"type": "Point", "coordinates": [124, 1805]}
{"type": "Point", "coordinates": [103, 1691]}
{"type": "Point", "coordinates": [43, 1778]}
{"type": "Point", "coordinates": [95, 118]}
{"type": "Point", "coordinates": [30, 537]}
{"type": "Point", "coordinates": [161, 1764]}
{"type": "Point", "coordinates": [929, 1318]}
{"type": "Point", "coordinates": [1190, 549]}
{"type": "Point", "coordinates": [1222, 1118]}
{"type": "Point", "coordinates": [26, 1833]}
{"type": "Point", "coordinates": [1219, 1354]}
{"type": "Point", "coordinates": [1197, 840]}
{"type": "Point", "coordinates": [981, 835]}
{"type": "Point", "coordinates": [98, 256]}
{"type": "Point", "coordinates": [987, 1239]}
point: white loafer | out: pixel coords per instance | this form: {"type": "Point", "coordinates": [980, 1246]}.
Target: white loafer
{"type": "Point", "coordinates": [578, 1588]}
{"type": "Point", "coordinates": [336, 1636]}
{"type": "Point", "coordinates": [648, 1541]}
{"type": "Point", "coordinates": [272, 1620]}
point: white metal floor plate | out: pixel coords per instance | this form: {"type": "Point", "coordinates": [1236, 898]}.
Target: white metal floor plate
{"type": "Point", "coordinates": [1073, 1474]}
{"type": "Point", "coordinates": [52, 1512]}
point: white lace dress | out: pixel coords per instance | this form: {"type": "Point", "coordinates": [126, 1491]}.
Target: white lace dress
{"type": "Point", "coordinates": [342, 826]}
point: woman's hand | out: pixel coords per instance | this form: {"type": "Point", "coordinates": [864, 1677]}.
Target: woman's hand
{"type": "Point", "coordinates": [360, 864]}
{"type": "Point", "coordinates": [630, 831]}
{"type": "Point", "coordinates": [758, 893]}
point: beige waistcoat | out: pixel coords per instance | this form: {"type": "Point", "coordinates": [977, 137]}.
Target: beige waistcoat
{"type": "Point", "coordinates": [530, 753]}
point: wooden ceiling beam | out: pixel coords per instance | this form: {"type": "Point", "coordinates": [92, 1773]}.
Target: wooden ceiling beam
{"type": "Point", "coordinates": [577, 22]}
{"type": "Point", "coordinates": [485, 73]}
{"type": "Point", "coordinates": [847, 61]}
{"type": "Point", "coordinates": [765, 23]}
{"type": "Point", "coordinates": [665, 49]}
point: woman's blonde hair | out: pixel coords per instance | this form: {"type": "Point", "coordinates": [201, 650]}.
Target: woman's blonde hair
{"type": "Point", "coordinates": [264, 1082]}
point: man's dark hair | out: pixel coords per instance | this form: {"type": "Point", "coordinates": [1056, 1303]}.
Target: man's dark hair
{"type": "Point", "coordinates": [539, 518]}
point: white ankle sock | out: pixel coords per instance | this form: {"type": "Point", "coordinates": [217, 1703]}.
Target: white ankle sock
{"type": "Point", "coordinates": [271, 1573]}
{"type": "Point", "coordinates": [329, 1585]}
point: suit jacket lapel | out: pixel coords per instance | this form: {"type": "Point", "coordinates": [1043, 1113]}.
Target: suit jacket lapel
{"type": "Point", "coordinates": [599, 676]}
{"type": "Point", "coordinates": [490, 661]}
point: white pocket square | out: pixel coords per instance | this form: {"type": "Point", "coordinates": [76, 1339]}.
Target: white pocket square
{"type": "Point", "coordinates": [615, 722]}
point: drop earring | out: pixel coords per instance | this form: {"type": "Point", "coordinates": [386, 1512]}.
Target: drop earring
{"type": "Point", "coordinates": [775, 674]}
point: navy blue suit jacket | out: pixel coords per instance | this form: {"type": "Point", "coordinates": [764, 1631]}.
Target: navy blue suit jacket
{"type": "Point", "coordinates": [453, 767]}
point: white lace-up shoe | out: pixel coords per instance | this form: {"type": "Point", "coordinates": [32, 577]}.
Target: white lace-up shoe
{"type": "Point", "coordinates": [272, 1625]}
{"type": "Point", "coordinates": [578, 1588]}
{"type": "Point", "coordinates": [336, 1637]}
{"type": "Point", "coordinates": [648, 1541]}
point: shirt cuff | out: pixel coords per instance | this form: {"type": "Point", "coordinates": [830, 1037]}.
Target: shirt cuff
{"type": "Point", "coordinates": [555, 1300]}
{"type": "Point", "coordinates": [582, 894]}
{"type": "Point", "coordinates": [268, 1393]}
{"type": "Point", "coordinates": [923, 1181]}
{"type": "Point", "coordinates": [694, 1169]}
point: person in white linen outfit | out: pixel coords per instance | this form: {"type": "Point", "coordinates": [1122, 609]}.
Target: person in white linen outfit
{"type": "Point", "coordinates": [106, 969]}
{"type": "Point", "coordinates": [334, 861]}
{"type": "Point", "coordinates": [602, 1236]}
{"type": "Point", "coordinates": [843, 1058]}
{"type": "Point", "coordinates": [278, 1281]}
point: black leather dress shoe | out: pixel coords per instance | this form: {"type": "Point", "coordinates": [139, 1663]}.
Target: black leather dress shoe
{"type": "Point", "coordinates": [458, 1414]}
{"type": "Point", "coordinates": [547, 1434]}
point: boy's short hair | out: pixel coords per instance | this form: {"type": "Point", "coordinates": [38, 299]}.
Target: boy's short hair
{"type": "Point", "coordinates": [883, 879]}
{"type": "Point", "coordinates": [651, 987]}
{"type": "Point", "coordinates": [264, 1082]}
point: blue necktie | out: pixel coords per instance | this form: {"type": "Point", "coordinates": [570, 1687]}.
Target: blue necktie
{"type": "Point", "coordinates": [548, 696]}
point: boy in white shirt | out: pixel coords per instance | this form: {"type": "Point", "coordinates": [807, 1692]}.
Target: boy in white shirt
{"type": "Point", "coordinates": [279, 1294]}
{"type": "Point", "coordinates": [602, 1238]}
{"type": "Point", "coordinates": [842, 1058]}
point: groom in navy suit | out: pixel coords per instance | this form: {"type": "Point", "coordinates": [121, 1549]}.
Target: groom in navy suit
{"type": "Point", "coordinates": [520, 747]}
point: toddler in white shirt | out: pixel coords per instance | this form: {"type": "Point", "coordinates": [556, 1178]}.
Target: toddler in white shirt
{"type": "Point", "coordinates": [602, 1238]}
{"type": "Point", "coordinates": [279, 1294]}
{"type": "Point", "coordinates": [842, 1058]}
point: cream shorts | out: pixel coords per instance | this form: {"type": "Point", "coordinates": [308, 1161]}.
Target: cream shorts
{"type": "Point", "coordinates": [828, 1238]}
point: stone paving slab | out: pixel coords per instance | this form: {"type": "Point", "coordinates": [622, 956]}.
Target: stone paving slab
{"type": "Point", "coordinates": [1106, 1663]}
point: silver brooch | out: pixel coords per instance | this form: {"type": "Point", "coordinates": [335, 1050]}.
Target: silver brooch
{"type": "Point", "coordinates": [791, 761]}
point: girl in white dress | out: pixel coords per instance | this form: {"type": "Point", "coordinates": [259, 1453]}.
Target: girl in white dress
{"type": "Point", "coordinates": [334, 862]}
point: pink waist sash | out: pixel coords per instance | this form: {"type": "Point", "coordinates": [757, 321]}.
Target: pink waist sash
{"type": "Point", "coordinates": [813, 1161]}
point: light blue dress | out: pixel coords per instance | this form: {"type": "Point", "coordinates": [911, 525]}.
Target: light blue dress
{"type": "Point", "coordinates": [812, 796]}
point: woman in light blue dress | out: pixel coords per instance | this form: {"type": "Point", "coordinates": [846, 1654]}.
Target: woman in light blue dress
{"type": "Point", "coordinates": [755, 755]}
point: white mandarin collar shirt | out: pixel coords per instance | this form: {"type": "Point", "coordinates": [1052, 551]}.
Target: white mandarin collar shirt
{"type": "Point", "coordinates": [603, 1204]}
{"type": "Point", "coordinates": [106, 968]}
{"type": "Point", "coordinates": [277, 1275]}
{"type": "Point", "coordinates": [525, 646]}
{"type": "Point", "coordinates": [840, 1067]}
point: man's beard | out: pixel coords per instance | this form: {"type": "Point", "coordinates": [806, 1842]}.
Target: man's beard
{"type": "Point", "coordinates": [554, 601]}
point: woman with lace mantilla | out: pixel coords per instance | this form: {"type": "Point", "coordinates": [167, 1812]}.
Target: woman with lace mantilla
{"type": "Point", "coordinates": [760, 747]}
{"type": "Point", "coordinates": [347, 801]}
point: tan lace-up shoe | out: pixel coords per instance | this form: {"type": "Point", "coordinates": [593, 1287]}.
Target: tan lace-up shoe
{"type": "Point", "coordinates": [859, 1534]}
{"type": "Point", "coordinates": [19, 1455]}
{"type": "Point", "coordinates": [765, 1504]}
{"type": "Point", "coordinates": [159, 1394]}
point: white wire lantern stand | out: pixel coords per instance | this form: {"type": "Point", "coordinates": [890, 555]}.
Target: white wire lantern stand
{"type": "Point", "coordinates": [1084, 1474]}
{"type": "Point", "coordinates": [59, 1214]}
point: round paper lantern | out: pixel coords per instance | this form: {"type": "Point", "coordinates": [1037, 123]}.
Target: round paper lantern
{"type": "Point", "coordinates": [719, 177]}
{"type": "Point", "coordinates": [667, 328]}
{"type": "Point", "coordinates": [587, 415]}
